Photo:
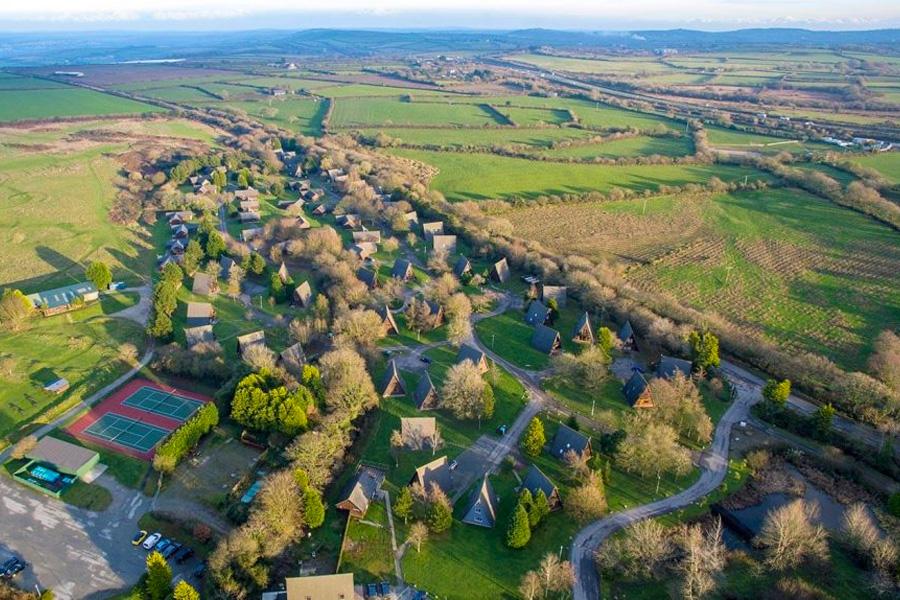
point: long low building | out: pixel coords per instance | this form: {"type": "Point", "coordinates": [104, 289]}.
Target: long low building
{"type": "Point", "coordinates": [62, 299]}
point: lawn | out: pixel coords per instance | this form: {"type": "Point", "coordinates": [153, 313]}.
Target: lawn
{"type": "Point", "coordinates": [300, 114]}
{"type": "Point", "coordinates": [538, 138]}
{"type": "Point", "coordinates": [886, 163]}
{"type": "Point", "coordinates": [19, 105]}
{"type": "Point", "coordinates": [367, 549]}
{"type": "Point", "coordinates": [476, 176]}
{"type": "Point", "coordinates": [362, 112]}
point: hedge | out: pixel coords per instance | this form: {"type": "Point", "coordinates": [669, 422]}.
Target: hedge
{"type": "Point", "coordinates": [185, 438]}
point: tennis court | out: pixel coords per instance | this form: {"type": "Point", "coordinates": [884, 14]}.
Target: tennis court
{"type": "Point", "coordinates": [161, 402]}
{"type": "Point", "coordinates": [123, 431]}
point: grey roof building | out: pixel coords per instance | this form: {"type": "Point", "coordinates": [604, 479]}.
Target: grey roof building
{"type": "Point", "coordinates": [637, 391]}
{"type": "Point", "coordinates": [669, 366]}
{"type": "Point", "coordinates": [425, 394]}
{"type": "Point", "coordinates": [535, 480]}
{"type": "Point", "coordinates": [537, 313]}
{"type": "Point", "coordinates": [469, 352]}
{"type": "Point", "coordinates": [567, 439]}
{"type": "Point", "coordinates": [482, 509]}
{"type": "Point", "coordinates": [546, 339]}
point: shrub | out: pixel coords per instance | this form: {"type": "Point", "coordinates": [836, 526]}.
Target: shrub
{"type": "Point", "coordinates": [183, 439]}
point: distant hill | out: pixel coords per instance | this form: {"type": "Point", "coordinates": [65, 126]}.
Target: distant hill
{"type": "Point", "coordinates": [22, 49]}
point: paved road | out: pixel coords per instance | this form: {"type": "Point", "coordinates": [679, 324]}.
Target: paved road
{"type": "Point", "coordinates": [87, 402]}
{"type": "Point", "coordinates": [140, 312]}
{"type": "Point", "coordinates": [714, 465]}
{"type": "Point", "coordinates": [75, 552]}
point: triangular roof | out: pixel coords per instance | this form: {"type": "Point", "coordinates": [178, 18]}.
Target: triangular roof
{"type": "Point", "coordinates": [198, 313]}
{"type": "Point", "coordinates": [500, 271]}
{"type": "Point", "coordinates": [482, 509]}
{"type": "Point", "coordinates": [203, 284]}
{"type": "Point", "coordinates": [201, 334]}
{"type": "Point", "coordinates": [432, 228]}
{"type": "Point", "coordinates": [392, 384]}
{"type": "Point", "coordinates": [462, 266]}
{"type": "Point", "coordinates": [443, 243]}
{"type": "Point", "coordinates": [567, 439]}
{"type": "Point", "coordinates": [361, 491]}
{"type": "Point", "coordinates": [546, 339]}
{"type": "Point", "coordinates": [251, 339]}
{"type": "Point", "coordinates": [367, 236]}
{"type": "Point", "coordinates": [294, 354]}
{"type": "Point", "coordinates": [635, 387]}
{"type": "Point", "coordinates": [402, 269]}
{"type": "Point", "coordinates": [626, 332]}
{"type": "Point", "coordinates": [469, 352]}
{"type": "Point", "coordinates": [583, 331]}
{"type": "Point", "coordinates": [415, 430]}
{"type": "Point", "coordinates": [370, 278]}
{"type": "Point", "coordinates": [319, 587]}
{"type": "Point", "coordinates": [387, 319]}
{"type": "Point", "coordinates": [437, 471]}
{"type": "Point", "coordinates": [535, 480]}
{"type": "Point", "coordinates": [303, 293]}
{"type": "Point", "coordinates": [283, 273]}
{"type": "Point", "coordinates": [425, 395]}
{"type": "Point", "coordinates": [669, 366]}
{"type": "Point", "coordinates": [537, 313]}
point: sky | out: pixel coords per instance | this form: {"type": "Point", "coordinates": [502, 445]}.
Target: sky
{"type": "Point", "coordinates": [44, 15]}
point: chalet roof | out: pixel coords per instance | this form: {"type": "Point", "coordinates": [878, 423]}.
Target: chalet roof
{"type": "Point", "coordinates": [255, 338]}
{"type": "Point", "coordinates": [199, 313]}
{"type": "Point", "coordinates": [387, 319]}
{"type": "Point", "coordinates": [469, 352]}
{"type": "Point", "coordinates": [283, 273]}
{"type": "Point", "coordinates": [567, 439]}
{"type": "Point", "coordinates": [462, 266]}
{"type": "Point", "coordinates": [350, 221]}
{"type": "Point", "coordinates": [293, 354]}
{"type": "Point", "coordinates": [411, 217]}
{"type": "Point", "coordinates": [303, 293]}
{"type": "Point", "coordinates": [626, 332]}
{"type": "Point", "coordinates": [583, 328]}
{"type": "Point", "coordinates": [67, 457]}
{"type": "Point", "coordinates": [251, 234]}
{"type": "Point", "coordinates": [364, 249]}
{"type": "Point", "coordinates": [425, 394]}
{"type": "Point", "coordinates": [320, 210]}
{"type": "Point", "coordinates": [415, 429]}
{"type": "Point", "coordinates": [545, 339]}
{"type": "Point", "coordinates": [248, 194]}
{"type": "Point", "coordinates": [634, 387]}
{"type": "Point", "coordinates": [392, 384]}
{"type": "Point", "coordinates": [437, 471]}
{"type": "Point", "coordinates": [434, 308]}
{"type": "Point", "coordinates": [248, 217]}
{"type": "Point", "coordinates": [432, 228]}
{"type": "Point", "coordinates": [367, 236]}
{"type": "Point", "coordinates": [202, 334]}
{"type": "Point", "coordinates": [248, 205]}
{"type": "Point", "coordinates": [537, 313]}
{"type": "Point", "coordinates": [370, 278]}
{"type": "Point", "coordinates": [203, 284]}
{"type": "Point", "coordinates": [482, 509]}
{"type": "Point", "coordinates": [402, 269]}
{"type": "Point", "coordinates": [226, 264]}
{"type": "Point", "coordinates": [500, 270]}
{"type": "Point", "coordinates": [556, 292]}
{"type": "Point", "coordinates": [669, 366]}
{"type": "Point", "coordinates": [320, 587]}
{"type": "Point", "coordinates": [363, 488]}
{"type": "Point", "coordinates": [535, 480]}
{"type": "Point", "coordinates": [443, 243]}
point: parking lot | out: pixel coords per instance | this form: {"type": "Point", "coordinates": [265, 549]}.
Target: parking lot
{"type": "Point", "coordinates": [76, 553]}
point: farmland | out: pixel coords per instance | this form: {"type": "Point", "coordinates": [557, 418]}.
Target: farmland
{"type": "Point", "coordinates": [28, 103]}
{"type": "Point", "coordinates": [474, 177]}
{"type": "Point", "coordinates": [361, 112]}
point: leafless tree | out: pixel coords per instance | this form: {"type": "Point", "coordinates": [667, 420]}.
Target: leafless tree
{"type": "Point", "coordinates": [418, 534]}
{"type": "Point", "coordinates": [703, 557]}
{"type": "Point", "coordinates": [790, 537]}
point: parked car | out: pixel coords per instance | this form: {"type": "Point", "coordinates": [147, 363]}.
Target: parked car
{"type": "Point", "coordinates": [138, 537]}
{"type": "Point", "coordinates": [502, 429]}
{"type": "Point", "coordinates": [199, 571]}
{"type": "Point", "coordinates": [425, 360]}
{"type": "Point", "coordinates": [184, 553]}
{"type": "Point", "coordinates": [151, 541]}
{"type": "Point", "coordinates": [171, 549]}
{"type": "Point", "coordinates": [453, 464]}
{"type": "Point", "coordinates": [11, 567]}
{"type": "Point", "coordinates": [371, 590]}
{"type": "Point", "coordinates": [385, 589]}
{"type": "Point", "coordinates": [162, 544]}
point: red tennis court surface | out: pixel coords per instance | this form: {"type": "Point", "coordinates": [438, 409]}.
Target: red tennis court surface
{"type": "Point", "coordinates": [129, 408]}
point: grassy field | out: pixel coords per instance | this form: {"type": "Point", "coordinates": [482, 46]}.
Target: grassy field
{"type": "Point", "coordinates": [538, 138]}
{"type": "Point", "coordinates": [627, 147]}
{"type": "Point", "coordinates": [56, 198]}
{"type": "Point", "coordinates": [886, 163]}
{"type": "Point", "coordinates": [362, 112]}
{"type": "Point", "coordinates": [475, 177]}
{"type": "Point", "coordinates": [24, 104]}
{"type": "Point", "coordinates": [303, 115]}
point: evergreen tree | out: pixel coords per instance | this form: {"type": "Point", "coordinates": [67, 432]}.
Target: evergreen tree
{"type": "Point", "coordinates": [159, 577]}
{"type": "Point", "coordinates": [243, 179]}
{"type": "Point", "coordinates": [776, 393]}
{"type": "Point", "coordinates": [220, 180]}
{"type": "Point", "coordinates": [487, 402]}
{"type": "Point", "coordinates": [193, 254]}
{"type": "Point", "coordinates": [539, 510]}
{"type": "Point", "coordinates": [605, 341]}
{"type": "Point", "coordinates": [313, 508]}
{"type": "Point", "coordinates": [185, 591]}
{"type": "Point", "coordinates": [215, 245]}
{"type": "Point", "coordinates": [518, 532]}
{"type": "Point", "coordinates": [257, 264]}
{"type": "Point", "coordinates": [276, 288]}
{"type": "Point", "coordinates": [824, 418]}
{"type": "Point", "coordinates": [553, 305]}
{"type": "Point", "coordinates": [534, 438]}
{"type": "Point", "coordinates": [172, 274]}
{"type": "Point", "coordinates": [99, 274]}
{"type": "Point", "coordinates": [440, 515]}
{"type": "Point", "coordinates": [160, 326]}
{"type": "Point", "coordinates": [403, 504]}
{"type": "Point", "coordinates": [706, 349]}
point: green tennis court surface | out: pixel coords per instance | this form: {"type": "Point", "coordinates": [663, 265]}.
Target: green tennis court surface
{"type": "Point", "coordinates": [162, 403]}
{"type": "Point", "coordinates": [126, 432]}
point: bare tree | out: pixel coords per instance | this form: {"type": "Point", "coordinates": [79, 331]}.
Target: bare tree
{"type": "Point", "coordinates": [859, 530]}
{"type": "Point", "coordinates": [884, 362]}
{"type": "Point", "coordinates": [639, 551]}
{"type": "Point", "coordinates": [259, 357]}
{"type": "Point", "coordinates": [530, 587]}
{"type": "Point", "coordinates": [418, 534]}
{"type": "Point", "coordinates": [587, 501]}
{"type": "Point", "coordinates": [396, 446]}
{"type": "Point", "coordinates": [578, 462]}
{"type": "Point", "coordinates": [703, 558]}
{"type": "Point", "coordinates": [652, 448]}
{"type": "Point", "coordinates": [790, 537]}
{"type": "Point", "coordinates": [23, 447]}
{"type": "Point", "coordinates": [462, 391]}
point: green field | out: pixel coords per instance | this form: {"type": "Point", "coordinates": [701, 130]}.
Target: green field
{"type": "Point", "coordinates": [362, 112]}
{"type": "Point", "coordinates": [474, 177]}
{"type": "Point", "coordinates": [627, 147]}
{"type": "Point", "coordinates": [886, 163]}
{"type": "Point", "coordinates": [295, 113]}
{"type": "Point", "coordinates": [20, 105]}
{"type": "Point", "coordinates": [538, 138]}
